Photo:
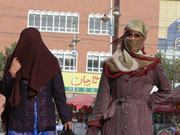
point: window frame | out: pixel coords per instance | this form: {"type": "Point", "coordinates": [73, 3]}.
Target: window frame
{"type": "Point", "coordinates": [99, 55]}
{"type": "Point", "coordinates": [60, 29]}
{"type": "Point", "coordinates": [102, 31]}
{"type": "Point", "coordinates": [65, 53]}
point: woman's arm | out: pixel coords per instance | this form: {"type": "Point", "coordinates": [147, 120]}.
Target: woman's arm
{"type": "Point", "coordinates": [6, 83]}
{"type": "Point", "coordinates": [59, 96]}
{"type": "Point", "coordinates": [163, 85]}
{"type": "Point", "coordinates": [100, 107]}
{"type": "Point", "coordinates": [102, 99]}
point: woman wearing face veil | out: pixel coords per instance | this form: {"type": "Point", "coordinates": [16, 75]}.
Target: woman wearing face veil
{"type": "Point", "coordinates": [124, 104]}
{"type": "Point", "coordinates": [32, 82]}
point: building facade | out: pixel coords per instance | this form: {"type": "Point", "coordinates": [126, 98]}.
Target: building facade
{"type": "Point", "coordinates": [169, 28]}
{"type": "Point", "coordinates": [58, 22]}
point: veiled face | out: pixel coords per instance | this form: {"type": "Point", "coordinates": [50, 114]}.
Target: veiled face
{"type": "Point", "coordinates": [134, 41]}
{"type": "Point", "coordinates": [29, 44]}
{"type": "Point", "coordinates": [133, 34]}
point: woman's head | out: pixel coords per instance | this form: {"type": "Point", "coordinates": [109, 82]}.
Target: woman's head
{"type": "Point", "coordinates": [30, 49]}
{"type": "Point", "coordinates": [135, 35]}
{"type": "Point", "coordinates": [29, 42]}
{"type": "Point", "coordinates": [30, 34]}
{"type": "Point", "coordinates": [29, 45]}
{"type": "Point", "coordinates": [38, 64]}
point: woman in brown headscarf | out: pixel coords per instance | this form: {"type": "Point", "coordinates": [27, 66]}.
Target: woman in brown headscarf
{"type": "Point", "coordinates": [124, 104]}
{"type": "Point", "coordinates": [32, 79]}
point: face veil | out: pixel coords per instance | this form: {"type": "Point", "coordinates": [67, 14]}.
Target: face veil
{"type": "Point", "coordinates": [134, 45]}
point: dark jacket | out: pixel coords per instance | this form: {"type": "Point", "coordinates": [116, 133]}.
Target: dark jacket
{"type": "Point", "coordinates": [21, 118]}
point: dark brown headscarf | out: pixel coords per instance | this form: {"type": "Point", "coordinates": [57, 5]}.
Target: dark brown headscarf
{"type": "Point", "coordinates": [38, 65]}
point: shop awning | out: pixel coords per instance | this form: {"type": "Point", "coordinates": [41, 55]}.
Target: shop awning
{"type": "Point", "coordinates": [81, 100]}
{"type": "Point", "coordinates": [165, 108]}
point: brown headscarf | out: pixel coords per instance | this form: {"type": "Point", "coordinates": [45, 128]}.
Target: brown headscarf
{"type": "Point", "coordinates": [38, 65]}
{"type": "Point", "coordinates": [130, 57]}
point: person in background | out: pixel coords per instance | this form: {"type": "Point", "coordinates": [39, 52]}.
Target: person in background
{"type": "Point", "coordinates": [32, 81]}
{"type": "Point", "coordinates": [59, 127]}
{"type": "Point", "coordinates": [124, 104]}
{"type": "Point", "coordinates": [177, 132]}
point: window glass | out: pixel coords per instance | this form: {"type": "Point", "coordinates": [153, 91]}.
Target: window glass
{"type": "Point", "coordinates": [60, 60]}
{"type": "Point", "coordinates": [91, 23]}
{"type": "Point", "coordinates": [44, 22]}
{"type": "Point", "coordinates": [67, 61]}
{"type": "Point", "coordinates": [90, 59]}
{"type": "Point", "coordinates": [37, 21]}
{"type": "Point", "coordinates": [69, 23]}
{"type": "Point", "coordinates": [56, 23]}
{"type": "Point", "coordinates": [75, 20]}
{"type": "Point", "coordinates": [104, 26]}
{"type": "Point", "coordinates": [50, 22]}
{"type": "Point", "coordinates": [97, 25]}
{"type": "Point", "coordinates": [31, 20]}
{"type": "Point", "coordinates": [62, 23]}
{"type": "Point", "coordinates": [96, 63]}
{"type": "Point", "coordinates": [72, 63]}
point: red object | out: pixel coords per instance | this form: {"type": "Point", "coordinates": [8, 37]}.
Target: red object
{"type": "Point", "coordinates": [81, 100]}
{"type": "Point", "coordinates": [172, 104]}
{"type": "Point", "coordinates": [85, 109]}
{"type": "Point", "coordinates": [165, 108]}
{"type": "Point", "coordinates": [94, 123]}
{"type": "Point", "coordinates": [141, 72]}
{"type": "Point", "coordinates": [177, 133]}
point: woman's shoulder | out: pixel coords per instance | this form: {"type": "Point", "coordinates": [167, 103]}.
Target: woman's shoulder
{"type": "Point", "coordinates": [159, 67]}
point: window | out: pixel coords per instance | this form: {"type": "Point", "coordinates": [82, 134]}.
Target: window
{"type": "Point", "coordinates": [49, 21]}
{"type": "Point", "coordinates": [98, 27]}
{"type": "Point", "coordinates": [34, 19]}
{"type": "Point", "coordinates": [95, 61]}
{"type": "Point", "coordinates": [66, 60]}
